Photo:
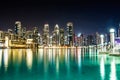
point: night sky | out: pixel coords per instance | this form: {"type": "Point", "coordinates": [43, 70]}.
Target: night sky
{"type": "Point", "coordinates": [87, 17]}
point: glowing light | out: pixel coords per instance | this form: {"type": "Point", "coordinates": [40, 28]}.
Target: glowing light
{"type": "Point", "coordinates": [69, 24]}
{"type": "Point", "coordinates": [112, 30]}
{"type": "Point", "coordinates": [29, 58]}
{"type": "Point", "coordinates": [46, 25]}
{"type": "Point", "coordinates": [20, 56]}
{"type": "Point", "coordinates": [67, 59]}
{"type": "Point", "coordinates": [79, 34]}
{"type": "Point", "coordinates": [29, 41]}
{"type": "Point", "coordinates": [0, 58]}
{"type": "Point", "coordinates": [50, 55]}
{"type": "Point", "coordinates": [40, 55]}
{"type": "Point", "coordinates": [6, 41]}
{"type": "Point", "coordinates": [57, 65]}
{"type": "Point", "coordinates": [38, 34]}
{"type": "Point", "coordinates": [101, 35]}
{"type": "Point", "coordinates": [79, 58]}
{"type": "Point", "coordinates": [6, 59]}
{"type": "Point", "coordinates": [56, 26]}
{"type": "Point", "coordinates": [113, 71]}
{"type": "Point", "coordinates": [102, 68]}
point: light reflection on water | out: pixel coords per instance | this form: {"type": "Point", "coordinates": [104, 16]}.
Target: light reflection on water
{"type": "Point", "coordinates": [55, 64]}
{"type": "Point", "coordinates": [6, 54]}
{"type": "Point", "coordinates": [29, 58]}
{"type": "Point", "coordinates": [113, 70]}
{"type": "Point", "coordinates": [0, 58]}
{"type": "Point", "coordinates": [102, 68]}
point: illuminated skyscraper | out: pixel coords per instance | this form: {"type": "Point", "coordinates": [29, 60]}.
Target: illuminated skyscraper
{"type": "Point", "coordinates": [56, 35]}
{"type": "Point", "coordinates": [2, 36]}
{"type": "Point", "coordinates": [23, 32]}
{"type": "Point", "coordinates": [102, 39]}
{"type": "Point", "coordinates": [35, 36]}
{"type": "Point", "coordinates": [56, 29]}
{"type": "Point", "coordinates": [18, 27]}
{"type": "Point", "coordinates": [18, 30]}
{"type": "Point", "coordinates": [70, 33]}
{"type": "Point", "coordinates": [61, 37]}
{"type": "Point", "coordinates": [46, 35]}
{"type": "Point", "coordinates": [106, 39]}
{"type": "Point", "coordinates": [97, 38]}
{"type": "Point", "coordinates": [112, 37]}
{"type": "Point", "coordinates": [11, 35]}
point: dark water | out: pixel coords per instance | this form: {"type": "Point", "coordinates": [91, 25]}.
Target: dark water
{"type": "Point", "coordinates": [57, 64]}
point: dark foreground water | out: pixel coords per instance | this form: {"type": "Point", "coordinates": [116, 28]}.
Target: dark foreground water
{"type": "Point", "coordinates": [57, 64]}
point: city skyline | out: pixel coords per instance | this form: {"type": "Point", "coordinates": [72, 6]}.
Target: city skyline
{"type": "Point", "coordinates": [98, 17]}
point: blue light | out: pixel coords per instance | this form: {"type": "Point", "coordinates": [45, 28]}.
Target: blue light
{"type": "Point", "coordinates": [79, 34]}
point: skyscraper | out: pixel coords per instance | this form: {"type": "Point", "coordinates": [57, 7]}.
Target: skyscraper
{"type": "Point", "coordinates": [46, 35]}
{"type": "Point", "coordinates": [56, 29]}
{"type": "Point", "coordinates": [56, 35]}
{"type": "Point", "coordinates": [97, 38]}
{"type": "Point", "coordinates": [70, 33]}
{"type": "Point", "coordinates": [61, 37]}
{"type": "Point", "coordinates": [18, 29]}
{"type": "Point", "coordinates": [2, 36]}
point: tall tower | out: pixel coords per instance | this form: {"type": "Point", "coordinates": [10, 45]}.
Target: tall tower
{"type": "Point", "coordinates": [70, 33]}
{"type": "Point", "coordinates": [97, 36]}
{"type": "Point", "coordinates": [57, 35]}
{"type": "Point", "coordinates": [102, 39]}
{"type": "Point", "coordinates": [112, 37]}
{"type": "Point", "coordinates": [46, 34]}
{"type": "Point", "coordinates": [62, 37]}
{"type": "Point", "coordinates": [18, 27]}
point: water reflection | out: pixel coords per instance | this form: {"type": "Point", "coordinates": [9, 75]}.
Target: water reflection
{"type": "Point", "coordinates": [40, 55]}
{"type": "Point", "coordinates": [113, 70]}
{"type": "Point", "coordinates": [0, 58]}
{"type": "Point", "coordinates": [57, 63]}
{"type": "Point", "coordinates": [67, 60]}
{"type": "Point", "coordinates": [102, 68]}
{"type": "Point", "coordinates": [29, 58]}
{"type": "Point", "coordinates": [45, 60]}
{"type": "Point", "coordinates": [6, 59]}
{"type": "Point", "coordinates": [79, 58]}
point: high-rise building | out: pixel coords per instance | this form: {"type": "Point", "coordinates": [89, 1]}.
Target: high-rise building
{"type": "Point", "coordinates": [90, 40]}
{"type": "Point", "coordinates": [57, 34]}
{"type": "Point", "coordinates": [18, 27]}
{"type": "Point", "coordinates": [18, 30]}
{"type": "Point", "coordinates": [97, 38]}
{"type": "Point", "coordinates": [35, 35]}
{"type": "Point", "coordinates": [23, 32]}
{"type": "Point", "coordinates": [2, 36]}
{"type": "Point", "coordinates": [112, 37]}
{"type": "Point", "coordinates": [102, 40]}
{"type": "Point", "coordinates": [11, 35]}
{"type": "Point", "coordinates": [46, 35]}
{"type": "Point", "coordinates": [70, 34]}
{"type": "Point", "coordinates": [53, 38]}
{"type": "Point", "coordinates": [105, 39]}
{"type": "Point", "coordinates": [61, 37]}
